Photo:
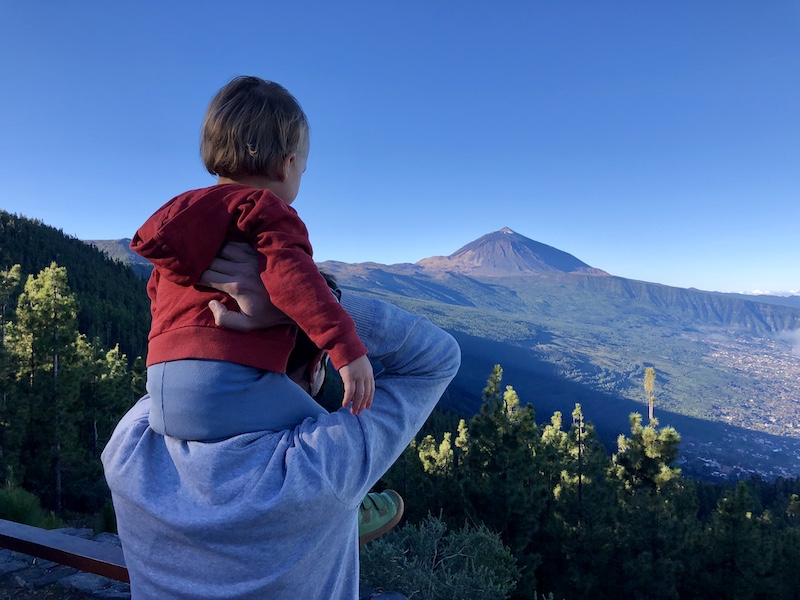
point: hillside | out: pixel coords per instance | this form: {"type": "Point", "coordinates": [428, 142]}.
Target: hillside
{"type": "Point", "coordinates": [113, 304]}
{"type": "Point", "coordinates": [563, 330]}
{"type": "Point", "coordinates": [120, 251]}
{"type": "Point", "coordinates": [566, 332]}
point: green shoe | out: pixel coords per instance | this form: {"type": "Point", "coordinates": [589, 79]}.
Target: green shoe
{"type": "Point", "coordinates": [378, 514]}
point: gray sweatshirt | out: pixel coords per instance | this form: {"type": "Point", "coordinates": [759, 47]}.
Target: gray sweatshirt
{"type": "Point", "coordinates": [273, 515]}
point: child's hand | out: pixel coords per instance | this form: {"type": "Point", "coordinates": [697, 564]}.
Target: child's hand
{"type": "Point", "coordinates": [359, 385]}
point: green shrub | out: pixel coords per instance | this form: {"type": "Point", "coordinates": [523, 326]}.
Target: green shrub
{"type": "Point", "coordinates": [427, 562]}
{"type": "Point", "coordinates": [106, 518]}
{"type": "Point", "coordinates": [21, 506]}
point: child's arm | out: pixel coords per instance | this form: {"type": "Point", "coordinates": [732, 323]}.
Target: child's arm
{"type": "Point", "coordinates": [293, 279]}
{"type": "Point", "coordinates": [359, 385]}
{"type": "Point", "coordinates": [297, 288]}
{"type": "Point", "coordinates": [235, 272]}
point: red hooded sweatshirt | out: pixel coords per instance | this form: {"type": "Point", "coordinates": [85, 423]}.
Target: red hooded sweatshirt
{"type": "Point", "coordinates": [183, 237]}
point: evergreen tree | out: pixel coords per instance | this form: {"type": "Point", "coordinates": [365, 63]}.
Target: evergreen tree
{"type": "Point", "coordinates": [429, 472]}
{"type": "Point", "coordinates": [502, 482]}
{"type": "Point", "coordinates": [492, 391]}
{"type": "Point", "coordinates": [657, 514]}
{"type": "Point", "coordinates": [582, 524]}
{"type": "Point", "coordinates": [649, 388]}
{"type": "Point", "coordinates": [45, 341]}
{"type": "Point", "coordinates": [138, 379]}
{"type": "Point", "coordinates": [9, 281]}
{"type": "Point", "coordinates": [787, 557]}
{"type": "Point", "coordinates": [738, 550]}
{"type": "Point", "coordinates": [408, 477]}
{"type": "Point", "coordinates": [646, 457]}
{"type": "Point", "coordinates": [104, 397]}
{"type": "Point", "coordinates": [578, 535]}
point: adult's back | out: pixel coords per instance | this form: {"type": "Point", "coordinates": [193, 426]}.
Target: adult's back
{"type": "Point", "coordinates": [273, 514]}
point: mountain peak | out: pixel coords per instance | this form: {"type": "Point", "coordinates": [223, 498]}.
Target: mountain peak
{"type": "Point", "coordinates": [506, 252]}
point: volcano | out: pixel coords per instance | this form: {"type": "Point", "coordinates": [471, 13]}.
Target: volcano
{"type": "Point", "coordinates": [506, 252]}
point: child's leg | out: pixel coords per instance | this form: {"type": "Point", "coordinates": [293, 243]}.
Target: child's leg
{"type": "Point", "coordinates": [208, 400]}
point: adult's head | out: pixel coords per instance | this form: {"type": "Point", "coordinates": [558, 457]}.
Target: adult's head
{"type": "Point", "coordinates": [307, 363]}
{"type": "Point", "coordinates": [256, 129]}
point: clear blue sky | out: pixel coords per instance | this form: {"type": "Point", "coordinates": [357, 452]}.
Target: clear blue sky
{"type": "Point", "coordinates": [654, 140]}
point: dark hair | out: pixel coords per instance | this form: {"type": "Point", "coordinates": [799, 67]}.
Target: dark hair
{"type": "Point", "coordinates": [305, 351]}
{"type": "Point", "coordinates": [250, 127]}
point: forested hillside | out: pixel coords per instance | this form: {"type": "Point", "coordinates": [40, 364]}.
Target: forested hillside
{"type": "Point", "coordinates": [112, 301]}
{"type": "Point", "coordinates": [728, 372]}
{"type": "Point", "coordinates": [61, 394]}
{"type": "Point", "coordinates": [74, 330]}
{"type": "Point", "coordinates": [505, 503]}
{"type": "Point", "coordinates": [579, 522]}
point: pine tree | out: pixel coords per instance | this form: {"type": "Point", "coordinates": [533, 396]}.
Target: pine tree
{"type": "Point", "coordinates": [657, 514]}
{"type": "Point", "coordinates": [104, 398]}
{"type": "Point", "coordinates": [649, 388]}
{"type": "Point", "coordinates": [45, 340]}
{"type": "Point", "coordinates": [737, 549]}
{"type": "Point", "coordinates": [9, 281]}
{"type": "Point", "coordinates": [577, 532]}
{"type": "Point", "coordinates": [138, 379]}
{"type": "Point", "coordinates": [501, 481]}
{"type": "Point", "coordinates": [646, 457]}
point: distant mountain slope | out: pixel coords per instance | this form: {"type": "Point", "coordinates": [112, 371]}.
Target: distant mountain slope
{"type": "Point", "coordinates": [506, 252]}
{"type": "Point", "coordinates": [486, 273]}
{"type": "Point", "coordinates": [113, 303]}
{"type": "Point", "coordinates": [793, 300]}
{"type": "Point", "coordinates": [120, 250]}
{"type": "Point", "coordinates": [564, 331]}
{"type": "Point", "coordinates": [700, 308]}
{"type": "Point", "coordinates": [568, 335]}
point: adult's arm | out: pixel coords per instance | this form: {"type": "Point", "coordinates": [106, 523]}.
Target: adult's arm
{"type": "Point", "coordinates": [419, 361]}
{"type": "Point", "coordinates": [234, 271]}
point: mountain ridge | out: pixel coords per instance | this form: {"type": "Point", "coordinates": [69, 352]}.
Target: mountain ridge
{"type": "Point", "coordinates": [572, 333]}
{"type": "Point", "coordinates": [467, 261]}
{"type": "Point", "coordinates": [720, 359]}
{"type": "Point", "coordinates": [120, 251]}
{"type": "Point", "coordinates": [566, 335]}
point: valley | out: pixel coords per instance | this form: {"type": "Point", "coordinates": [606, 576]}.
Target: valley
{"type": "Point", "coordinates": [726, 378]}
{"type": "Point", "coordinates": [766, 373]}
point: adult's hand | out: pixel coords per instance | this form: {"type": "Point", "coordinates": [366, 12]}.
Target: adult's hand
{"type": "Point", "coordinates": [235, 272]}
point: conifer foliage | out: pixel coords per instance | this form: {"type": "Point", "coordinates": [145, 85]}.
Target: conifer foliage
{"type": "Point", "coordinates": [112, 303]}
{"type": "Point", "coordinates": [521, 508]}
{"type": "Point", "coordinates": [61, 395]}
{"type": "Point", "coordinates": [581, 523]}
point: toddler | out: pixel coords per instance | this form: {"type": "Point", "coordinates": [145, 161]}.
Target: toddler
{"type": "Point", "coordinates": [207, 382]}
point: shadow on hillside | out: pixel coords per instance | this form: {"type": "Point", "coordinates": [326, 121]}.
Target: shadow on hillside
{"type": "Point", "coordinates": [709, 449]}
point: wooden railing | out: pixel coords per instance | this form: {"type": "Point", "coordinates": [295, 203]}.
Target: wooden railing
{"type": "Point", "coordinates": [84, 555]}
